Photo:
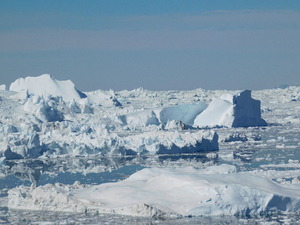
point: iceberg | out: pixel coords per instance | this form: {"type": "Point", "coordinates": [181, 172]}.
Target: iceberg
{"type": "Point", "coordinates": [232, 110]}
{"type": "Point", "coordinates": [185, 113]}
{"type": "Point", "coordinates": [139, 119]}
{"type": "Point", "coordinates": [166, 193]}
{"type": "Point", "coordinates": [45, 85]}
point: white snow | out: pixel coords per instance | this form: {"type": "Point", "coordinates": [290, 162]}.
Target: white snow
{"type": "Point", "coordinates": [2, 87]}
{"type": "Point", "coordinates": [168, 192]}
{"type": "Point", "coordinates": [45, 86]}
{"type": "Point", "coordinates": [232, 110]}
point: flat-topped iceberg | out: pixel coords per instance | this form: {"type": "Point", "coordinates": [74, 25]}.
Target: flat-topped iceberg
{"type": "Point", "coordinates": [165, 193]}
{"type": "Point", "coordinates": [45, 85]}
{"type": "Point", "coordinates": [87, 142]}
{"type": "Point", "coordinates": [232, 110]}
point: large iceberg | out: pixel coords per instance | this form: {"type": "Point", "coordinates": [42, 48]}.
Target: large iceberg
{"type": "Point", "coordinates": [45, 85]}
{"type": "Point", "coordinates": [165, 193]}
{"type": "Point", "coordinates": [232, 110]}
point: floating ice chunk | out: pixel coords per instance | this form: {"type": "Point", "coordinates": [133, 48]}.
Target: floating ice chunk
{"type": "Point", "coordinates": [45, 85]}
{"type": "Point", "coordinates": [45, 109]}
{"type": "Point", "coordinates": [239, 110]}
{"type": "Point", "coordinates": [139, 119]}
{"type": "Point", "coordinates": [170, 142]}
{"type": "Point", "coordinates": [236, 137]}
{"type": "Point", "coordinates": [166, 192]}
{"type": "Point", "coordinates": [186, 113]}
{"type": "Point", "coordinates": [74, 107]}
{"type": "Point", "coordinates": [105, 98]}
{"type": "Point", "coordinates": [174, 125]}
{"type": "Point", "coordinates": [28, 147]}
{"type": "Point", "coordinates": [2, 159]}
{"type": "Point", "coordinates": [2, 87]}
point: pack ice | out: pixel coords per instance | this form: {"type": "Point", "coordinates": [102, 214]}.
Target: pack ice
{"type": "Point", "coordinates": [166, 193]}
{"type": "Point", "coordinates": [45, 116]}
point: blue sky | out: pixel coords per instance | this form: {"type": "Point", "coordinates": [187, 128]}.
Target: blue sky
{"type": "Point", "coordinates": [157, 44]}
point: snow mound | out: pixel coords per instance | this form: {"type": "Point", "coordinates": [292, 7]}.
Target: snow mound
{"type": "Point", "coordinates": [45, 85]}
{"type": "Point", "coordinates": [2, 87]}
{"type": "Point", "coordinates": [165, 193]}
{"type": "Point", "coordinates": [232, 110]}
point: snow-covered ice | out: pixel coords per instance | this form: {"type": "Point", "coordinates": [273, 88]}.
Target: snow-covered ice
{"type": "Point", "coordinates": [45, 85]}
{"type": "Point", "coordinates": [164, 193]}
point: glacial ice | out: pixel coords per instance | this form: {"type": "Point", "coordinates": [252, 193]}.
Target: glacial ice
{"type": "Point", "coordinates": [166, 193]}
{"type": "Point", "coordinates": [45, 85]}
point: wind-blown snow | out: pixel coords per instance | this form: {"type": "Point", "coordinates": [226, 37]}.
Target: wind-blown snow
{"type": "Point", "coordinates": [238, 110]}
{"type": "Point", "coordinates": [163, 193]}
{"type": "Point", "coordinates": [45, 85]}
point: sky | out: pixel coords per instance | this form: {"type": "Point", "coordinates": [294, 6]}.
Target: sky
{"type": "Point", "coordinates": [154, 44]}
